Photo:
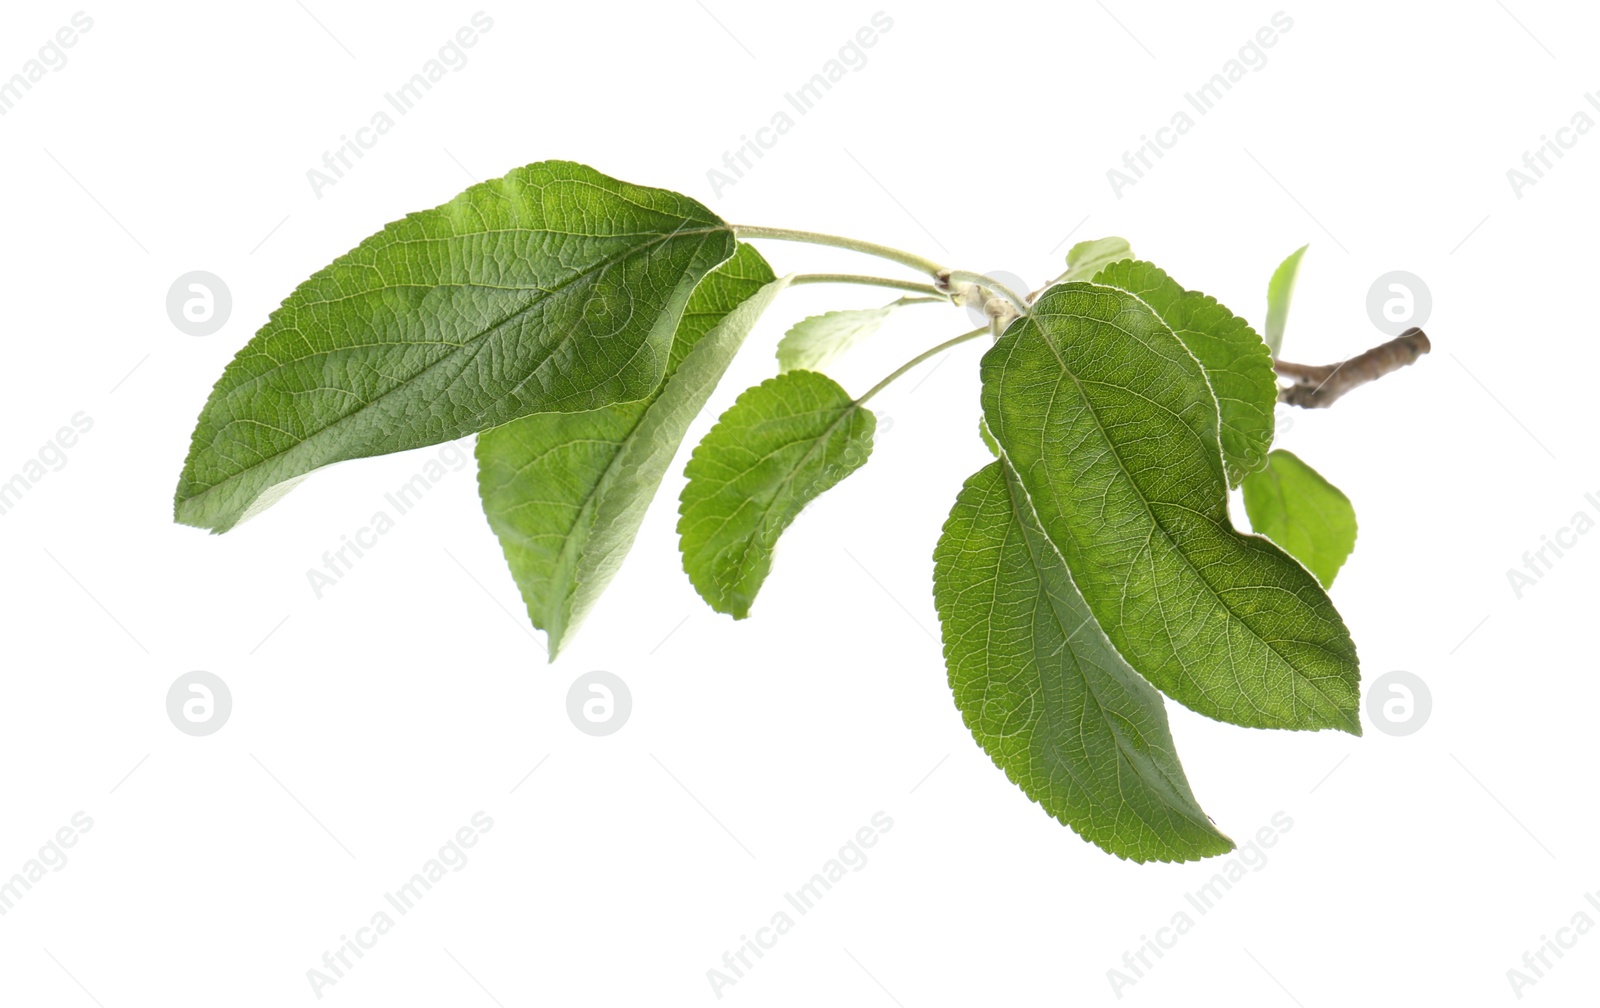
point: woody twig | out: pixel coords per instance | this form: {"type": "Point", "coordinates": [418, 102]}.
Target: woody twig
{"type": "Point", "coordinates": [1318, 385]}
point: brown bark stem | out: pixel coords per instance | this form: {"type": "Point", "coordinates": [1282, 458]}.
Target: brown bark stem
{"type": "Point", "coordinates": [1318, 385]}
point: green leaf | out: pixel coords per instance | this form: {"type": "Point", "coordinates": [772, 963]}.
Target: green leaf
{"type": "Point", "coordinates": [1111, 426]}
{"type": "Point", "coordinates": [1236, 362]}
{"type": "Point", "coordinates": [554, 288]}
{"type": "Point", "coordinates": [1087, 258]}
{"type": "Point", "coordinates": [988, 439]}
{"type": "Point", "coordinates": [812, 343]}
{"type": "Point", "coordinates": [1279, 290]}
{"type": "Point", "coordinates": [1290, 503]}
{"type": "Point", "coordinates": [566, 492]}
{"type": "Point", "coordinates": [1044, 692]}
{"type": "Point", "coordinates": [776, 449]}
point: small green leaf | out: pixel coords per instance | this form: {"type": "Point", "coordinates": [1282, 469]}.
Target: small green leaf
{"type": "Point", "coordinates": [1236, 362]}
{"type": "Point", "coordinates": [776, 449]}
{"type": "Point", "coordinates": [1111, 426]}
{"type": "Point", "coordinates": [1290, 503]}
{"type": "Point", "coordinates": [1046, 695]}
{"type": "Point", "coordinates": [566, 492]}
{"type": "Point", "coordinates": [553, 289]}
{"type": "Point", "coordinates": [988, 439]}
{"type": "Point", "coordinates": [1087, 258]}
{"type": "Point", "coordinates": [1279, 290]}
{"type": "Point", "coordinates": [812, 343]}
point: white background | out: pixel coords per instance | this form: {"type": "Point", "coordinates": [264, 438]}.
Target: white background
{"type": "Point", "coordinates": [369, 725]}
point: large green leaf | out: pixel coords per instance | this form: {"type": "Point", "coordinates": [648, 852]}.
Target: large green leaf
{"type": "Point", "coordinates": [1236, 362]}
{"type": "Point", "coordinates": [813, 343]}
{"type": "Point", "coordinates": [1044, 692]}
{"type": "Point", "coordinates": [1279, 290]}
{"type": "Point", "coordinates": [1290, 503]}
{"type": "Point", "coordinates": [566, 492]}
{"type": "Point", "coordinates": [1111, 426]}
{"type": "Point", "coordinates": [554, 288]}
{"type": "Point", "coordinates": [776, 449]}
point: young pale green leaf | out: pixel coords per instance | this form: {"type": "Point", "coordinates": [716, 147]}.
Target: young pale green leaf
{"type": "Point", "coordinates": [1044, 692]}
{"type": "Point", "coordinates": [1236, 362]}
{"type": "Point", "coordinates": [988, 439]}
{"type": "Point", "coordinates": [812, 343]}
{"type": "Point", "coordinates": [776, 449]}
{"type": "Point", "coordinates": [554, 288]}
{"type": "Point", "coordinates": [566, 492]}
{"type": "Point", "coordinates": [1087, 258]}
{"type": "Point", "coordinates": [1112, 427]}
{"type": "Point", "coordinates": [1279, 290]}
{"type": "Point", "coordinates": [1290, 503]}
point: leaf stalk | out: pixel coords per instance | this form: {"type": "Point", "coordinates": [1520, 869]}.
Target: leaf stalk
{"type": "Point", "coordinates": [919, 358]}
